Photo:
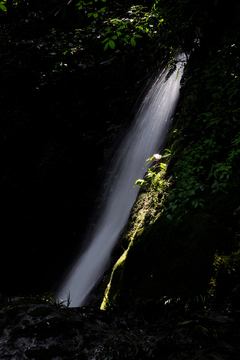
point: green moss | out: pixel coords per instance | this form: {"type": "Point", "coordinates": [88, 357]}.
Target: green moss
{"type": "Point", "coordinates": [170, 260]}
{"type": "Point", "coordinates": [185, 236]}
{"type": "Point", "coordinates": [117, 273]}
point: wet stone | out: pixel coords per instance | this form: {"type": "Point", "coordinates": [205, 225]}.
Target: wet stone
{"type": "Point", "coordinates": [37, 330]}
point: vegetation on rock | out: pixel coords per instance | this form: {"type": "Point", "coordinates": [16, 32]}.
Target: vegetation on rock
{"type": "Point", "coordinates": [191, 245]}
{"type": "Point", "coordinates": [70, 74]}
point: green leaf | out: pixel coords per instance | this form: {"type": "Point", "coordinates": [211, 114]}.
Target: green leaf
{"type": "Point", "coordinates": [133, 41]}
{"type": "Point", "coordinates": [181, 194]}
{"type": "Point", "coordinates": [169, 217]}
{"type": "Point", "coordinates": [171, 197]}
{"type": "Point", "coordinates": [3, 8]}
{"type": "Point", "coordinates": [106, 46]}
{"type": "Point", "coordinates": [111, 44]}
{"type": "Point", "coordinates": [191, 192]}
{"type": "Point", "coordinates": [105, 40]}
{"type": "Point", "coordinates": [139, 182]}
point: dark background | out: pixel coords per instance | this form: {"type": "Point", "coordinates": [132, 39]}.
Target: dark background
{"type": "Point", "coordinates": [58, 125]}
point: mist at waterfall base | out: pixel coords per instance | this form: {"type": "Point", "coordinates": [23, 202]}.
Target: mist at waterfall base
{"type": "Point", "coordinates": [144, 138]}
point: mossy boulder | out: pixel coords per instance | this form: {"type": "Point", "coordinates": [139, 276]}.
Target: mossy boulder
{"type": "Point", "coordinates": [174, 260]}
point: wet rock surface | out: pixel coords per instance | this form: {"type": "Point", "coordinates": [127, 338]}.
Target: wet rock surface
{"type": "Point", "coordinates": [33, 329]}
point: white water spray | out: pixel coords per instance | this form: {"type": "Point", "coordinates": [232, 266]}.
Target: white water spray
{"type": "Point", "coordinates": [145, 137]}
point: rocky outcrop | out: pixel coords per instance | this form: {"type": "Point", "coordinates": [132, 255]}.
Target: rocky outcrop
{"type": "Point", "coordinates": [33, 329]}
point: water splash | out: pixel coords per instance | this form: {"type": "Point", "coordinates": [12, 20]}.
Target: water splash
{"type": "Point", "coordinates": [145, 137]}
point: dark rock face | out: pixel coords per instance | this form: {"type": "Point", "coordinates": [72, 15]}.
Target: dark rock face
{"type": "Point", "coordinates": [32, 329]}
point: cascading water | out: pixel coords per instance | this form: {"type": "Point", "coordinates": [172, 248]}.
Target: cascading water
{"type": "Point", "coordinates": [145, 137]}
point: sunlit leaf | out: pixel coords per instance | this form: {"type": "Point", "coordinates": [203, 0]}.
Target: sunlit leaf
{"type": "Point", "coordinates": [3, 8]}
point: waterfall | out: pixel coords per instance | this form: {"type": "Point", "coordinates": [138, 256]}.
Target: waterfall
{"type": "Point", "coordinates": [145, 137]}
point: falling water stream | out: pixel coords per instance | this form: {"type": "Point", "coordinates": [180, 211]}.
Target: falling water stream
{"type": "Point", "coordinates": [145, 137]}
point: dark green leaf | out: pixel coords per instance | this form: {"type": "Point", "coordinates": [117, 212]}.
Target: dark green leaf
{"type": "Point", "coordinates": [133, 42]}
{"type": "Point", "coordinates": [111, 44]}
